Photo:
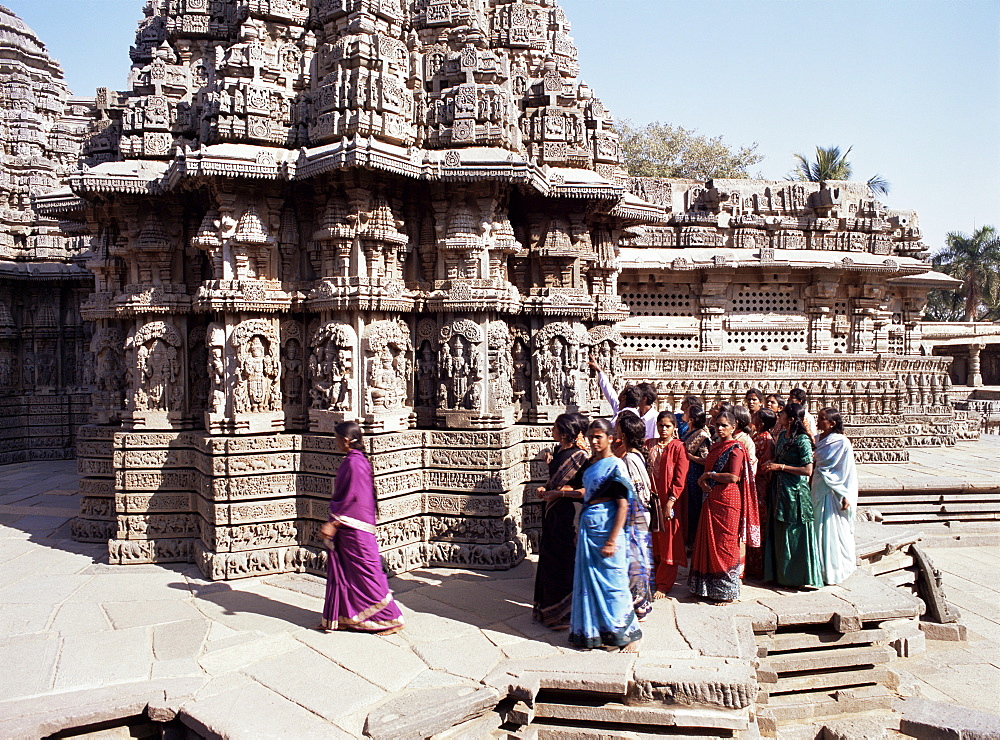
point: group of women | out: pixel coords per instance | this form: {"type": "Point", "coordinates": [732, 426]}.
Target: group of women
{"type": "Point", "coordinates": [742, 490]}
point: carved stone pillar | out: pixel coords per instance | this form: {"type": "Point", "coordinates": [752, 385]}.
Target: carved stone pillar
{"type": "Point", "coordinates": [712, 304]}
{"type": "Point", "coordinates": [975, 373]}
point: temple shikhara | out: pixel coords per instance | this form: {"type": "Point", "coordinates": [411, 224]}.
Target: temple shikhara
{"type": "Point", "coordinates": [411, 213]}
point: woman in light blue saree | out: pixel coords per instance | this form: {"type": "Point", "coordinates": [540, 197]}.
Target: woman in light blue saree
{"type": "Point", "coordinates": [835, 498]}
{"type": "Point", "coordinates": [602, 613]}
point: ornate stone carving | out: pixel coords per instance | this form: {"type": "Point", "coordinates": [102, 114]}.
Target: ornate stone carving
{"type": "Point", "coordinates": [256, 345]}
{"type": "Point", "coordinates": [331, 368]}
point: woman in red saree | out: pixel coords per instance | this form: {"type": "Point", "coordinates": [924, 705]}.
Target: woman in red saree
{"type": "Point", "coordinates": [729, 517]}
{"type": "Point", "coordinates": [763, 422]}
{"type": "Point", "coordinates": [357, 591]}
{"type": "Point", "coordinates": [668, 464]}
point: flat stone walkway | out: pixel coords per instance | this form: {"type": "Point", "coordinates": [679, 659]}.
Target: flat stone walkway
{"type": "Point", "coordinates": [77, 635]}
{"type": "Point", "coordinates": [967, 466]}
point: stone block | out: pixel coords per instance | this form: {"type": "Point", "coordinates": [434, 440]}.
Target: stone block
{"type": "Point", "coordinates": [860, 728]}
{"type": "Point", "coordinates": [622, 716]}
{"type": "Point", "coordinates": [818, 660]}
{"type": "Point", "coordinates": [714, 632]}
{"type": "Point", "coordinates": [954, 631]}
{"type": "Point", "coordinates": [245, 709]}
{"type": "Point", "coordinates": [423, 712]}
{"type": "Point", "coordinates": [934, 720]}
{"type": "Point", "coordinates": [718, 683]}
{"type": "Point", "coordinates": [907, 647]}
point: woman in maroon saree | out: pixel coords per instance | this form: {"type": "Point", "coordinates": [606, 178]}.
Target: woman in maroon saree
{"type": "Point", "coordinates": [357, 590]}
{"type": "Point", "coordinates": [729, 517]}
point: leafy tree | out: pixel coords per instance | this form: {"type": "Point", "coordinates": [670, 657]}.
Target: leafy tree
{"type": "Point", "coordinates": [944, 305]}
{"type": "Point", "coordinates": [662, 150]}
{"type": "Point", "coordinates": [975, 260]}
{"type": "Point", "coordinates": [831, 164]}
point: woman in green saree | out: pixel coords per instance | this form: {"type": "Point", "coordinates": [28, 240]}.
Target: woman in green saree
{"type": "Point", "coordinates": [791, 553]}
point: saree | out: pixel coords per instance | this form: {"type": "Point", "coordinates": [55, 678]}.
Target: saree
{"type": "Point", "coordinates": [834, 480]}
{"type": "Point", "coordinates": [640, 545]}
{"type": "Point", "coordinates": [728, 517]}
{"type": "Point", "coordinates": [602, 611]}
{"type": "Point", "coordinates": [696, 443]}
{"type": "Point", "coordinates": [791, 555]}
{"type": "Point", "coordinates": [557, 544]}
{"type": "Point", "coordinates": [764, 444]}
{"type": "Point", "coordinates": [357, 590]}
{"type": "Point", "coordinates": [669, 466]}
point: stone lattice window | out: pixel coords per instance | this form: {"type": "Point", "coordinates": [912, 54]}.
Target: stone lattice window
{"type": "Point", "coordinates": [646, 302]}
{"type": "Point", "coordinates": [753, 340]}
{"type": "Point", "coordinates": [661, 343]}
{"type": "Point", "coordinates": [779, 300]}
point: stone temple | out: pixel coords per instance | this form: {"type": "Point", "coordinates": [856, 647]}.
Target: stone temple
{"type": "Point", "coordinates": [412, 214]}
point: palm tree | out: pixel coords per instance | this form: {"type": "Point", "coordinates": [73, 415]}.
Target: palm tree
{"type": "Point", "coordinates": [830, 164]}
{"type": "Point", "coordinates": [975, 260]}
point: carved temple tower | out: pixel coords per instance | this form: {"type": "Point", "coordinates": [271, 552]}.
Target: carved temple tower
{"type": "Point", "coordinates": [306, 211]}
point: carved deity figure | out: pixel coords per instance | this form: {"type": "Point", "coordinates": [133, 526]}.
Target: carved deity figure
{"type": "Point", "coordinates": [217, 379]}
{"type": "Point", "coordinates": [258, 373]}
{"type": "Point", "coordinates": [426, 374]}
{"type": "Point", "coordinates": [291, 376]}
{"type": "Point", "coordinates": [386, 388]}
{"type": "Point", "coordinates": [157, 370]}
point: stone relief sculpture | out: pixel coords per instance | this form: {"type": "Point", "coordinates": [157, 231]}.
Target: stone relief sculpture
{"type": "Point", "coordinates": [460, 365]}
{"type": "Point", "coordinates": [389, 357]}
{"type": "Point", "coordinates": [558, 366]}
{"type": "Point", "coordinates": [501, 364]}
{"type": "Point", "coordinates": [108, 348]}
{"type": "Point", "coordinates": [292, 365]}
{"type": "Point", "coordinates": [256, 345]}
{"type": "Point", "coordinates": [331, 368]}
{"type": "Point", "coordinates": [215, 340]}
{"type": "Point", "coordinates": [154, 351]}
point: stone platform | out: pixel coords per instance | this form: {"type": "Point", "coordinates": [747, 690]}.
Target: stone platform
{"type": "Point", "coordinates": [86, 642]}
{"type": "Point", "coordinates": [951, 492]}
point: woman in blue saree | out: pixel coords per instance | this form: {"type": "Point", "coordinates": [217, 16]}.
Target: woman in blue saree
{"type": "Point", "coordinates": [602, 613]}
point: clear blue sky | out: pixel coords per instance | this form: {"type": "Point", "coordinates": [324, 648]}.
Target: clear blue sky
{"type": "Point", "coordinates": [912, 85]}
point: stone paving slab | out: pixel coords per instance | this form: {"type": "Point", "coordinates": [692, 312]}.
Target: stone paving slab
{"type": "Point", "coordinates": [89, 640]}
{"type": "Point", "coordinates": [968, 466]}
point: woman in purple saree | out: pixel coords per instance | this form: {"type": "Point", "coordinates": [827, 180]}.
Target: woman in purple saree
{"type": "Point", "coordinates": [357, 590]}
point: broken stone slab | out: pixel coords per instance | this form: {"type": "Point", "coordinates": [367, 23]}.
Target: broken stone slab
{"type": "Point", "coordinates": [932, 720]}
{"type": "Point", "coordinates": [855, 728]}
{"type": "Point", "coordinates": [814, 607]}
{"type": "Point", "coordinates": [423, 712]}
{"type": "Point", "coordinates": [955, 631]}
{"type": "Point", "coordinates": [717, 683]}
{"type": "Point", "coordinates": [594, 671]}
{"type": "Point", "coordinates": [874, 600]}
{"type": "Point", "coordinates": [760, 617]}
{"type": "Point", "coordinates": [715, 632]}
{"type": "Point", "coordinates": [621, 715]}
{"type": "Point", "coordinates": [44, 715]}
{"type": "Point", "coordinates": [474, 729]}
{"type": "Point", "coordinates": [908, 647]}
{"type": "Point", "coordinates": [246, 709]}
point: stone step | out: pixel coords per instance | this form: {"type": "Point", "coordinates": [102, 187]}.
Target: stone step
{"type": "Point", "coordinates": [831, 680]}
{"type": "Point", "coordinates": [940, 497]}
{"type": "Point", "coordinates": [951, 507]}
{"type": "Point", "coordinates": [789, 708]}
{"type": "Point", "coordinates": [784, 642]}
{"type": "Point", "coordinates": [592, 709]}
{"type": "Point", "coordinates": [555, 732]}
{"type": "Point", "coordinates": [905, 517]}
{"type": "Point", "coordinates": [819, 660]}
